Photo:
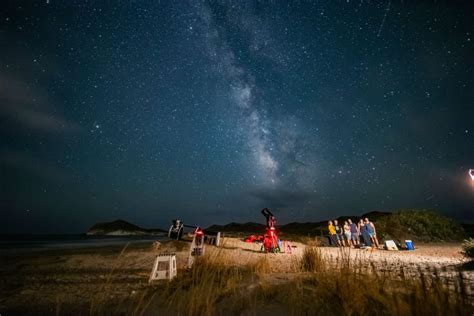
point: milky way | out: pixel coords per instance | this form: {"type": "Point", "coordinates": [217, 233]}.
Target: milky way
{"type": "Point", "coordinates": [266, 143]}
{"type": "Point", "coordinates": [210, 111]}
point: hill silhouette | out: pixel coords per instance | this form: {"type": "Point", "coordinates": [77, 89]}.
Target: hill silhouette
{"type": "Point", "coordinates": [294, 227]}
{"type": "Point", "coordinates": [120, 228]}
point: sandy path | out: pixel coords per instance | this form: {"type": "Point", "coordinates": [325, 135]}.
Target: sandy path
{"type": "Point", "coordinates": [429, 255]}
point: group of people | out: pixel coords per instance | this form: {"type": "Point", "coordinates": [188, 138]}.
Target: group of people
{"type": "Point", "coordinates": [353, 235]}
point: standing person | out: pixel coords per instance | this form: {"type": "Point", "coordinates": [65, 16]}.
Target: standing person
{"type": "Point", "coordinates": [364, 234]}
{"type": "Point", "coordinates": [371, 231]}
{"type": "Point", "coordinates": [347, 233]}
{"type": "Point", "coordinates": [354, 233]}
{"type": "Point", "coordinates": [332, 234]}
{"type": "Point", "coordinates": [360, 226]}
{"type": "Point", "coordinates": [338, 233]}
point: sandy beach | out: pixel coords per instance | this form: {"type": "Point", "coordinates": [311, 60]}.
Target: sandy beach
{"type": "Point", "coordinates": [70, 281]}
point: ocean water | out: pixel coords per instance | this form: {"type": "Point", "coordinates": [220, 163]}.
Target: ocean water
{"type": "Point", "coordinates": [27, 243]}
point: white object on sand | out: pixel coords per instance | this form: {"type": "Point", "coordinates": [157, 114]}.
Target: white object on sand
{"type": "Point", "coordinates": [390, 245]}
{"type": "Point", "coordinates": [164, 268]}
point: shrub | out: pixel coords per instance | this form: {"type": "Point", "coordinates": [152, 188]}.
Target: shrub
{"type": "Point", "coordinates": [419, 225]}
{"type": "Point", "coordinates": [311, 261]}
{"type": "Point", "coordinates": [468, 247]}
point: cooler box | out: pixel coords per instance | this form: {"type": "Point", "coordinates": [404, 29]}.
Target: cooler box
{"type": "Point", "coordinates": [409, 244]}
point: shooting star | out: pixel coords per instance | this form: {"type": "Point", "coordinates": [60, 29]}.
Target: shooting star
{"type": "Point", "coordinates": [384, 18]}
{"type": "Point", "coordinates": [471, 173]}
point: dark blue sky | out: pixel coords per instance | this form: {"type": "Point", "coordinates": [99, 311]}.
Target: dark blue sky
{"type": "Point", "coordinates": [209, 111]}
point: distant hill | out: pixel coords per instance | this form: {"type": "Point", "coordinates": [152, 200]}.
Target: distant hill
{"type": "Point", "coordinates": [318, 227]}
{"type": "Point", "coordinates": [375, 215]}
{"type": "Point", "coordinates": [249, 227]}
{"type": "Point", "coordinates": [291, 228]}
{"type": "Point", "coordinates": [121, 228]}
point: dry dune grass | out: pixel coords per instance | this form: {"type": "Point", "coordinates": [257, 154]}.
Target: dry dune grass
{"type": "Point", "coordinates": [344, 288]}
{"type": "Point", "coordinates": [238, 279]}
{"type": "Point", "coordinates": [198, 290]}
{"type": "Point", "coordinates": [214, 286]}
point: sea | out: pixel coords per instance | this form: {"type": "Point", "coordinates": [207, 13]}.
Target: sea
{"type": "Point", "coordinates": [17, 244]}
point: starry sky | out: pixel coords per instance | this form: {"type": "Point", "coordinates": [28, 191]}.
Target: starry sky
{"type": "Point", "coordinates": [209, 111]}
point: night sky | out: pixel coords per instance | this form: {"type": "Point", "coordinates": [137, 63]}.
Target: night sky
{"type": "Point", "coordinates": [210, 111]}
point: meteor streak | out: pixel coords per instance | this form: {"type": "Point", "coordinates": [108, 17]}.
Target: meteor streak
{"type": "Point", "coordinates": [471, 173]}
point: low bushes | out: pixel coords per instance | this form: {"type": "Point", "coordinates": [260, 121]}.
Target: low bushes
{"type": "Point", "coordinates": [419, 225]}
{"type": "Point", "coordinates": [468, 247]}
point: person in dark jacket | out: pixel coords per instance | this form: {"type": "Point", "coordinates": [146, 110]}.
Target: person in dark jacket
{"type": "Point", "coordinates": [365, 235]}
